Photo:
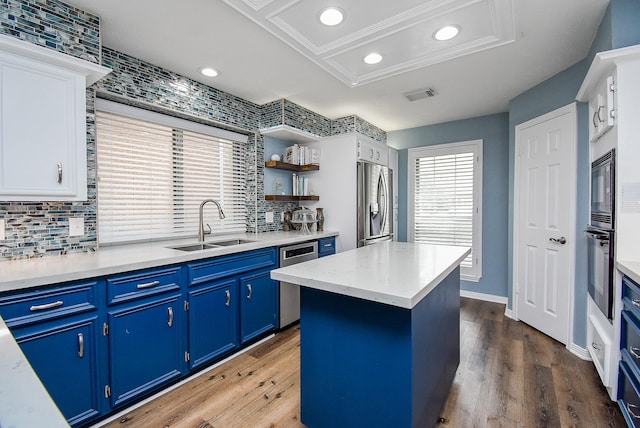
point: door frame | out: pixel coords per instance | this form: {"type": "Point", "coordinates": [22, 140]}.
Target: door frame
{"type": "Point", "coordinates": [571, 233]}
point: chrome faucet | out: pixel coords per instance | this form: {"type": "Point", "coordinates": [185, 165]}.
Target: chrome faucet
{"type": "Point", "coordinates": [201, 231]}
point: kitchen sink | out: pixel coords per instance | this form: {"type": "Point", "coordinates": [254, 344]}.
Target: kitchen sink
{"type": "Point", "coordinates": [209, 245]}
{"type": "Point", "coordinates": [194, 247]}
{"type": "Point", "coordinates": [230, 242]}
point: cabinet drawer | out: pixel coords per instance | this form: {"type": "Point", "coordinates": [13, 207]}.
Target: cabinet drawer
{"type": "Point", "coordinates": [630, 339]}
{"type": "Point", "coordinates": [631, 294]}
{"type": "Point", "coordinates": [599, 348]}
{"type": "Point", "coordinates": [141, 284]}
{"type": "Point", "coordinates": [326, 246]}
{"type": "Point", "coordinates": [37, 306]}
{"type": "Point", "coordinates": [628, 395]}
{"type": "Point", "coordinates": [221, 267]}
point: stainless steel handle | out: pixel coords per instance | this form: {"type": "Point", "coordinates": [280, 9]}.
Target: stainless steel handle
{"type": "Point", "coordinates": [629, 406]}
{"type": "Point", "coordinates": [228, 302]}
{"type": "Point", "coordinates": [634, 351]}
{"type": "Point", "coordinates": [46, 306]}
{"type": "Point", "coordinates": [562, 240]}
{"type": "Point", "coordinates": [59, 173]}
{"type": "Point", "coordinates": [595, 346]}
{"type": "Point", "coordinates": [80, 345]}
{"type": "Point", "coordinates": [250, 291]}
{"type": "Point", "coordinates": [170, 323]}
{"type": "Point", "coordinates": [636, 303]}
{"type": "Point", "coordinates": [328, 245]}
{"type": "Point", "coordinates": [147, 285]}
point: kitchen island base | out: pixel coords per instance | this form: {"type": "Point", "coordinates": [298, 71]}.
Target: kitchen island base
{"type": "Point", "coordinates": [365, 363]}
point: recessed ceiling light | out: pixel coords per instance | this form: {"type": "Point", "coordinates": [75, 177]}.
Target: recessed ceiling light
{"type": "Point", "coordinates": [447, 32]}
{"type": "Point", "coordinates": [331, 16]}
{"type": "Point", "coordinates": [373, 58]}
{"type": "Point", "coordinates": [209, 72]}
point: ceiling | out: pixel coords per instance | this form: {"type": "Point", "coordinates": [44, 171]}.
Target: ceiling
{"type": "Point", "coordinates": [271, 49]}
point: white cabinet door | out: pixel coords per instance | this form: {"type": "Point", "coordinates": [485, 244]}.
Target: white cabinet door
{"type": "Point", "coordinates": [43, 131]}
{"type": "Point", "coordinates": [602, 109]}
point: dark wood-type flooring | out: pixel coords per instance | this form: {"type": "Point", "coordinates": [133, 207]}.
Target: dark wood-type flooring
{"type": "Point", "coordinates": [510, 375]}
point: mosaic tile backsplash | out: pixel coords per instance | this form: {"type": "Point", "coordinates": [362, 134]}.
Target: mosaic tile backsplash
{"type": "Point", "coordinates": [54, 25]}
{"type": "Point", "coordinates": [36, 229]}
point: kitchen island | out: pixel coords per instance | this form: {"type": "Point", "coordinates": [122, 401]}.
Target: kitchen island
{"type": "Point", "coordinates": [380, 334]}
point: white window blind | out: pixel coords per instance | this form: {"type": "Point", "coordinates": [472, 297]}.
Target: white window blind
{"type": "Point", "coordinates": [155, 170]}
{"type": "Point", "coordinates": [446, 199]}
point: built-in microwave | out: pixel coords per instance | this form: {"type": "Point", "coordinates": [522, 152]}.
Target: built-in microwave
{"type": "Point", "coordinates": [603, 191]}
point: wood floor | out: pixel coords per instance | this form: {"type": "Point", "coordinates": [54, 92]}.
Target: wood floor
{"type": "Point", "coordinates": [510, 375]}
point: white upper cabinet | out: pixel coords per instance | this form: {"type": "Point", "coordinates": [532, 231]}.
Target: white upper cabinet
{"type": "Point", "coordinates": [602, 108]}
{"type": "Point", "coordinates": [372, 151]}
{"type": "Point", "coordinates": [43, 137]}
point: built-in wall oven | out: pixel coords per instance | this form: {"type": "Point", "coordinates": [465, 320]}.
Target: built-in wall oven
{"type": "Point", "coordinates": [600, 233]}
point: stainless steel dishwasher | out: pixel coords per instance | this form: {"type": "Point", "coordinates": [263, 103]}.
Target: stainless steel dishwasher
{"type": "Point", "coordinates": [290, 293]}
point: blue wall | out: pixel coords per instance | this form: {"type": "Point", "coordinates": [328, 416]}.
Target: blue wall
{"type": "Point", "coordinates": [493, 130]}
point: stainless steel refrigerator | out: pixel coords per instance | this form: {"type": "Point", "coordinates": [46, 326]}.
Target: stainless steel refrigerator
{"type": "Point", "coordinates": [374, 195]}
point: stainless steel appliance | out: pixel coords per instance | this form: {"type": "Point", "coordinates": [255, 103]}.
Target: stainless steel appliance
{"type": "Point", "coordinates": [374, 196]}
{"type": "Point", "coordinates": [600, 268]}
{"type": "Point", "coordinates": [600, 234]}
{"type": "Point", "coordinates": [290, 293]}
{"type": "Point", "coordinates": [603, 191]}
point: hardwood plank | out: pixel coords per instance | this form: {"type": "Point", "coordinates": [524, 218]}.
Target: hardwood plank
{"type": "Point", "coordinates": [510, 375]}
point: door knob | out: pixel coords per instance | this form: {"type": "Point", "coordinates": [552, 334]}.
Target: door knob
{"type": "Point", "coordinates": [560, 241]}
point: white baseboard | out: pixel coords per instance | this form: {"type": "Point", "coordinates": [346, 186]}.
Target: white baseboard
{"type": "Point", "coordinates": [579, 352]}
{"type": "Point", "coordinates": [482, 296]}
{"type": "Point", "coordinates": [509, 314]}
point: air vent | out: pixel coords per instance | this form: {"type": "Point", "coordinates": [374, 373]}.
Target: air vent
{"type": "Point", "coordinates": [420, 94]}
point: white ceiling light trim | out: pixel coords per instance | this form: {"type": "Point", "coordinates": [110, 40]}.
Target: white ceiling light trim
{"type": "Point", "coordinates": [372, 58]}
{"type": "Point", "coordinates": [209, 72]}
{"type": "Point", "coordinates": [447, 32]}
{"type": "Point", "coordinates": [487, 23]}
{"type": "Point", "coordinates": [331, 16]}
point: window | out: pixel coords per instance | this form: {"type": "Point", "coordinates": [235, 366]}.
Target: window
{"type": "Point", "coordinates": [155, 170]}
{"type": "Point", "coordinates": [445, 199]}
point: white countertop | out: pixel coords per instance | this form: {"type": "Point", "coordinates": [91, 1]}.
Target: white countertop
{"type": "Point", "coordinates": [24, 402]}
{"type": "Point", "coordinates": [393, 273]}
{"type": "Point", "coordinates": [20, 274]}
{"type": "Point", "coordinates": [631, 269]}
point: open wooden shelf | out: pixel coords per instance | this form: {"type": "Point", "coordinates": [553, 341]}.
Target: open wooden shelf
{"type": "Point", "coordinates": [290, 198]}
{"type": "Point", "coordinates": [291, 166]}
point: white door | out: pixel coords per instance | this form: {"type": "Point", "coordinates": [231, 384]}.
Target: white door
{"type": "Point", "coordinates": [544, 226]}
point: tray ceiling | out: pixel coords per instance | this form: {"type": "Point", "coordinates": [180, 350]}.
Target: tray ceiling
{"type": "Point", "coordinates": [401, 31]}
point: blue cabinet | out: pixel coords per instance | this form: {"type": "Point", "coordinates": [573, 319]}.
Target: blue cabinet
{"type": "Point", "coordinates": [326, 246]}
{"type": "Point", "coordinates": [258, 303]}
{"type": "Point", "coordinates": [65, 358]}
{"type": "Point", "coordinates": [58, 330]}
{"type": "Point", "coordinates": [102, 344]}
{"type": "Point", "coordinates": [629, 368]}
{"type": "Point", "coordinates": [146, 332]}
{"type": "Point", "coordinates": [232, 300]}
{"type": "Point", "coordinates": [213, 321]}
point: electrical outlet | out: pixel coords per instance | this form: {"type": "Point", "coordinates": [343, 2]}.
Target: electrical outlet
{"type": "Point", "coordinates": [76, 226]}
{"type": "Point", "coordinates": [2, 233]}
{"type": "Point", "coordinates": [268, 216]}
